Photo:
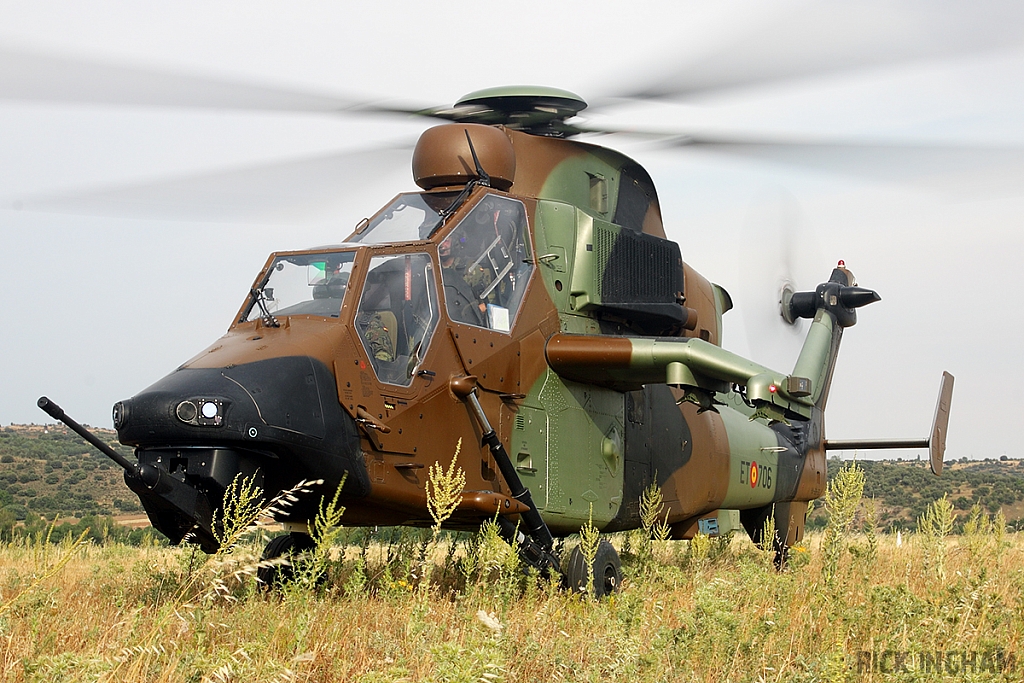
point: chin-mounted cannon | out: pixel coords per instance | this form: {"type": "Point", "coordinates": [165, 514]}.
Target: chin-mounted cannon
{"type": "Point", "coordinates": [161, 494]}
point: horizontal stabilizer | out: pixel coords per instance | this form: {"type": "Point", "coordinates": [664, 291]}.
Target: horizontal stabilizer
{"type": "Point", "coordinates": [935, 442]}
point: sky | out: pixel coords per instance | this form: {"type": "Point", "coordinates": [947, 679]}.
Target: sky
{"type": "Point", "coordinates": [153, 155]}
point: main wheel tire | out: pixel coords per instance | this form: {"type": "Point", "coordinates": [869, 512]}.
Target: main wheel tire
{"type": "Point", "coordinates": [607, 571]}
{"type": "Point", "coordinates": [287, 545]}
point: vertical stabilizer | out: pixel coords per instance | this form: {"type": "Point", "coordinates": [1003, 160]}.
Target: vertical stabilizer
{"type": "Point", "coordinates": [831, 308]}
{"type": "Point", "coordinates": [937, 437]}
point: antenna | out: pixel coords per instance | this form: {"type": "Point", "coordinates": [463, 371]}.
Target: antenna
{"type": "Point", "coordinates": [485, 179]}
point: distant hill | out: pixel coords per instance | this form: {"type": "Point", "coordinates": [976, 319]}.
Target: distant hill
{"type": "Point", "coordinates": [48, 469]}
{"type": "Point", "coordinates": [903, 489]}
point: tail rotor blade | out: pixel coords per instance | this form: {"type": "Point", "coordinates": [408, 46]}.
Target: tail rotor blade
{"type": "Point", "coordinates": [778, 254]}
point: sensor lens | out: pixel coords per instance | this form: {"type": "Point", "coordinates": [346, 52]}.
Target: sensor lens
{"type": "Point", "coordinates": [186, 411]}
{"type": "Point", "coordinates": [118, 415]}
{"type": "Point", "coordinates": [209, 410]}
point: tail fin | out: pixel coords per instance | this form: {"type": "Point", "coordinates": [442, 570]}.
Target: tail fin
{"type": "Point", "coordinates": [935, 442]}
{"type": "Point", "coordinates": [832, 308]}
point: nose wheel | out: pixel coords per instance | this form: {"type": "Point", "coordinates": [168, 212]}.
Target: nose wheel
{"type": "Point", "coordinates": [607, 571]}
{"type": "Point", "coordinates": [290, 546]}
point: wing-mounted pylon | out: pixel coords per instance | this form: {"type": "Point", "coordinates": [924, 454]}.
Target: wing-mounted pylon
{"type": "Point", "coordinates": [700, 367]}
{"type": "Point", "coordinates": [703, 369]}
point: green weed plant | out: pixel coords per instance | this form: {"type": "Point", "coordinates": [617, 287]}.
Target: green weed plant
{"type": "Point", "coordinates": [842, 498]}
{"type": "Point", "coordinates": [712, 609]}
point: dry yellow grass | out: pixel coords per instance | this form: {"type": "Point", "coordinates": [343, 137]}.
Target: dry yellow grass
{"type": "Point", "coordinates": [721, 614]}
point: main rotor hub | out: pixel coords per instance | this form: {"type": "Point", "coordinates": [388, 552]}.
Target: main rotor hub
{"type": "Point", "coordinates": [533, 109]}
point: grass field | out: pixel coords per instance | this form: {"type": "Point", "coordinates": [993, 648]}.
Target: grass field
{"type": "Point", "coordinates": [852, 605]}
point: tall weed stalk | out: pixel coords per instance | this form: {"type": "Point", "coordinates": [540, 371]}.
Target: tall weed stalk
{"type": "Point", "coordinates": [842, 497]}
{"type": "Point", "coordinates": [653, 526]}
{"type": "Point", "coordinates": [325, 531]}
{"type": "Point", "coordinates": [590, 539]}
{"type": "Point", "coordinates": [933, 527]}
{"type": "Point", "coordinates": [767, 544]}
{"type": "Point", "coordinates": [444, 493]}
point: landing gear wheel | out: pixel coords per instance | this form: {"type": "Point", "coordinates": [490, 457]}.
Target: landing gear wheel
{"type": "Point", "coordinates": [781, 557]}
{"type": "Point", "coordinates": [607, 571]}
{"type": "Point", "coordinates": [287, 545]}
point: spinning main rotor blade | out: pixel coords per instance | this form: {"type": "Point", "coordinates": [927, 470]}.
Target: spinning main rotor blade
{"type": "Point", "coordinates": [810, 39]}
{"type": "Point", "coordinates": [309, 189]}
{"type": "Point", "coordinates": [31, 77]}
{"type": "Point", "coordinates": [819, 38]}
{"type": "Point", "coordinates": [295, 191]}
{"type": "Point", "coordinates": [917, 163]}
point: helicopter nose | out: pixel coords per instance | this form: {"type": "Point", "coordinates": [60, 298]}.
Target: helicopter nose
{"type": "Point", "coordinates": [282, 413]}
{"type": "Point", "coordinates": [276, 422]}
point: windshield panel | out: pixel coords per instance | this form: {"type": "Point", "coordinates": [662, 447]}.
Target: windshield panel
{"type": "Point", "coordinates": [410, 218]}
{"type": "Point", "coordinates": [304, 284]}
{"type": "Point", "coordinates": [397, 315]}
{"type": "Point", "coordinates": [485, 264]}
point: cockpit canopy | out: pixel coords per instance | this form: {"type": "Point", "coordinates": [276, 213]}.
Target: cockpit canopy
{"type": "Point", "coordinates": [303, 284]}
{"type": "Point", "coordinates": [485, 266]}
{"type": "Point", "coordinates": [397, 315]}
{"type": "Point", "coordinates": [411, 217]}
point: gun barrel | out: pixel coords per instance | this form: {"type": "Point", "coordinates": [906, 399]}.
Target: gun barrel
{"type": "Point", "coordinates": [57, 413]}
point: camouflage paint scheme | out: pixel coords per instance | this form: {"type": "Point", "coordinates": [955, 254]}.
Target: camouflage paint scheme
{"type": "Point", "coordinates": [610, 378]}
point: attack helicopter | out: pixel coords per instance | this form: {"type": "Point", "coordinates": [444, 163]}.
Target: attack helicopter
{"type": "Point", "coordinates": [526, 300]}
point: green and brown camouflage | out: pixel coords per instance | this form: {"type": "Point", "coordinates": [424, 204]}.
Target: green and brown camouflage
{"type": "Point", "coordinates": [590, 347]}
{"type": "Point", "coordinates": [377, 337]}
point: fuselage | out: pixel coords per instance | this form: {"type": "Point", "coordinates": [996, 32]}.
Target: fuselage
{"type": "Point", "coordinates": [339, 364]}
